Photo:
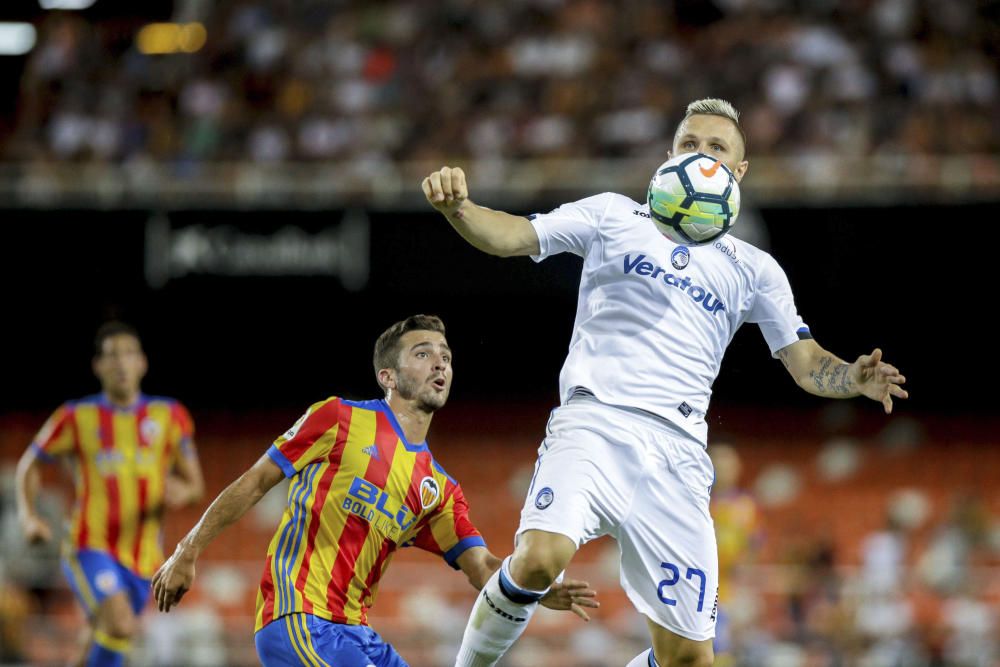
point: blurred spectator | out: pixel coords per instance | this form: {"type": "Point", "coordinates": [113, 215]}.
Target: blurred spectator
{"type": "Point", "coordinates": [883, 556]}
{"type": "Point", "coordinates": [280, 82]}
{"type": "Point", "coordinates": [946, 564]}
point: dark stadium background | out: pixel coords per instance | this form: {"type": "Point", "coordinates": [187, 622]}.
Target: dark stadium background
{"type": "Point", "coordinates": [863, 277]}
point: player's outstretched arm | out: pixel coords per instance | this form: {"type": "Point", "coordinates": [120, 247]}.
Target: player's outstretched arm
{"type": "Point", "coordinates": [824, 374]}
{"type": "Point", "coordinates": [174, 578]}
{"type": "Point", "coordinates": [573, 595]}
{"type": "Point", "coordinates": [493, 232]}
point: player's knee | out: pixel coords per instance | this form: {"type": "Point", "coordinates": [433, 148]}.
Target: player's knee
{"type": "Point", "coordinates": [539, 558]}
{"type": "Point", "coordinates": [534, 569]}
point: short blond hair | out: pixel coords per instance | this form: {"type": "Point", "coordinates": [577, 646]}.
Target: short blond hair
{"type": "Point", "coordinates": [714, 106]}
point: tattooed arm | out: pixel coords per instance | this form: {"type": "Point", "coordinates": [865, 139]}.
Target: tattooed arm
{"type": "Point", "coordinates": [824, 374]}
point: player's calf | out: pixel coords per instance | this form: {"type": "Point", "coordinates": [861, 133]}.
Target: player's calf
{"type": "Point", "coordinates": [116, 618]}
{"type": "Point", "coordinates": [693, 658]}
{"type": "Point", "coordinates": [672, 650]}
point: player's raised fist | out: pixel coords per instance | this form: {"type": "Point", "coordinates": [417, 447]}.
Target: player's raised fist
{"type": "Point", "coordinates": [446, 189]}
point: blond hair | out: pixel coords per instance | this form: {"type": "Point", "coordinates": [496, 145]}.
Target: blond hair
{"type": "Point", "coordinates": [713, 106]}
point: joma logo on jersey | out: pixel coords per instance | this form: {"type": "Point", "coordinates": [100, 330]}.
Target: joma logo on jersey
{"type": "Point", "coordinates": [698, 294]}
{"type": "Point", "coordinates": [727, 249]}
{"type": "Point", "coordinates": [378, 508]}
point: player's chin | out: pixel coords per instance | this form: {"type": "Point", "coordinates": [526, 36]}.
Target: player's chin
{"type": "Point", "coordinates": [434, 400]}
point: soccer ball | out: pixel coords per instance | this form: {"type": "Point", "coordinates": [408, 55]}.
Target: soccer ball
{"type": "Point", "coordinates": [693, 199]}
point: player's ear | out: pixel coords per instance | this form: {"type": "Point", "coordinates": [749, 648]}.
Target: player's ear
{"type": "Point", "coordinates": [386, 378]}
{"type": "Point", "coordinates": [741, 170]}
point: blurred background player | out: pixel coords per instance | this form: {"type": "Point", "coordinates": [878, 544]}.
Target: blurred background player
{"type": "Point", "coordinates": [132, 456]}
{"type": "Point", "coordinates": [365, 484]}
{"type": "Point", "coordinates": [635, 390]}
{"type": "Point", "coordinates": [737, 533]}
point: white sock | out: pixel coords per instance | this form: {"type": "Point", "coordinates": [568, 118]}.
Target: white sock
{"type": "Point", "coordinates": [644, 659]}
{"type": "Point", "coordinates": [498, 618]}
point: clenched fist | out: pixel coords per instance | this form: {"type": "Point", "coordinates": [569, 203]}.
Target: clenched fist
{"type": "Point", "coordinates": [446, 189]}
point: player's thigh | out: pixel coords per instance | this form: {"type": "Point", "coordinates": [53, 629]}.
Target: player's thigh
{"type": "Point", "coordinates": [584, 478]}
{"type": "Point", "coordinates": [669, 566]}
{"type": "Point", "coordinates": [116, 616]}
{"type": "Point", "coordinates": [104, 589]}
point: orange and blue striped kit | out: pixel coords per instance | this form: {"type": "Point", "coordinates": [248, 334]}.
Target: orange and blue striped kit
{"type": "Point", "coordinates": [359, 491]}
{"type": "Point", "coordinates": [120, 459]}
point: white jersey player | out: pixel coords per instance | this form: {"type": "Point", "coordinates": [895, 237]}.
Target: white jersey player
{"type": "Point", "coordinates": [624, 453]}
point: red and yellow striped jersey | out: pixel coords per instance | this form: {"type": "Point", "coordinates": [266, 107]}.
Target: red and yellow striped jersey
{"type": "Point", "coordinates": [120, 459]}
{"type": "Point", "coordinates": [359, 491]}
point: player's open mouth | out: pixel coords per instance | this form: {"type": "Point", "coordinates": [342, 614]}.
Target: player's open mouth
{"type": "Point", "coordinates": [440, 383]}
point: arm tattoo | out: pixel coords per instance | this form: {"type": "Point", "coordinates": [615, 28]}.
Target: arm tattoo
{"type": "Point", "coordinates": [783, 355]}
{"type": "Point", "coordinates": [821, 376]}
{"type": "Point", "coordinates": [840, 381]}
{"type": "Point", "coordinates": [832, 382]}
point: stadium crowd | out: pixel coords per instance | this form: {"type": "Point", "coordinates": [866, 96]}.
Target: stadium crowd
{"type": "Point", "coordinates": [286, 81]}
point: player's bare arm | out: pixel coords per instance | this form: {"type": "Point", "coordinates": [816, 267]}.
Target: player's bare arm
{"type": "Point", "coordinates": [824, 374]}
{"type": "Point", "coordinates": [185, 485]}
{"type": "Point", "coordinates": [27, 480]}
{"type": "Point", "coordinates": [573, 595]}
{"type": "Point", "coordinates": [478, 564]}
{"type": "Point", "coordinates": [493, 232]}
{"type": "Point", "coordinates": [175, 577]}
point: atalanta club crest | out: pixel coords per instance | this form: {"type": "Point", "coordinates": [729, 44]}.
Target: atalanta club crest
{"type": "Point", "coordinates": [429, 492]}
{"type": "Point", "coordinates": [680, 257]}
{"type": "Point", "coordinates": [544, 498]}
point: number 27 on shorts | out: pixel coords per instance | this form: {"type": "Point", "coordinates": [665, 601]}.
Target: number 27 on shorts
{"type": "Point", "coordinates": [675, 576]}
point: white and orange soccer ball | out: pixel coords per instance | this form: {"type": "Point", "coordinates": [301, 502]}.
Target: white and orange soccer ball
{"type": "Point", "coordinates": [693, 199]}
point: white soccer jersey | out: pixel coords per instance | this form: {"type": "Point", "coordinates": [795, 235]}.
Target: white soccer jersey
{"type": "Point", "coordinates": [654, 318]}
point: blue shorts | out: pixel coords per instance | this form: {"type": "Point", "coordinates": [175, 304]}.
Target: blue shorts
{"type": "Point", "coordinates": [95, 575]}
{"type": "Point", "coordinates": [303, 639]}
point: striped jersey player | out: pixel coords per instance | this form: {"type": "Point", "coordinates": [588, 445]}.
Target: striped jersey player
{"type": "Point", "coordinates": [363, 484]}
{"type": "Point", "coordinates": [117, 454]}
{"type": "Point", "coordinates": [131, 456]}
{"type": "Point", "coordinates": [371, 491]}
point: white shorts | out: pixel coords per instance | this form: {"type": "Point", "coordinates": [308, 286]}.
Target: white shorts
{"type": "Point", "coordinates": [604, 470]}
